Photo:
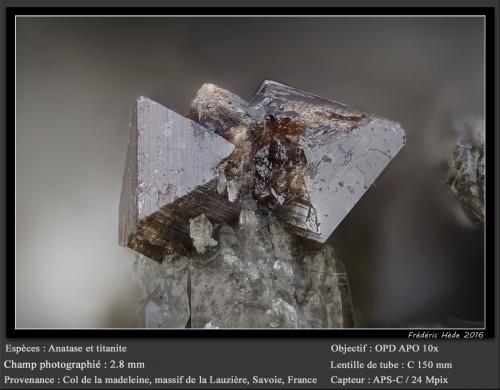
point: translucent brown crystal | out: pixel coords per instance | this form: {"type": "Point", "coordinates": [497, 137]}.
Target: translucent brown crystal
{"type": "Point", "coordinates": [238, 200]}
{"type": "Point", "coordinates": [170, 177]}
{"type": "Point", "coordinates": [308, 158]}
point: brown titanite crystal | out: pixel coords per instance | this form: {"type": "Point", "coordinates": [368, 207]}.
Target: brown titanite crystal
{"type": "Point", "coordinates": [238, 200]}
{"type": "Point", "coordinates": [170, 177]}
{"type": "Point", "coordinates": [308, 158]}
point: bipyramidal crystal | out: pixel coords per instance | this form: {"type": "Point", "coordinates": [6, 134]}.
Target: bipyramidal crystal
{"type": "Point", "coordinates": [236, 201]}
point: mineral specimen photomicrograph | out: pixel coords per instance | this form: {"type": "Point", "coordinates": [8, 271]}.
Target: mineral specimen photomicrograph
{"type": "Point", "coordinates": [230, 207]}
{"type": "Point", "coordinates": [466, 171]}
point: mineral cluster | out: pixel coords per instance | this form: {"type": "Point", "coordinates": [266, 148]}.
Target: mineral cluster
{"type": "Point", "coordinates": [235, 203]}
{"type": "Point", "coordinates": [466, 170]}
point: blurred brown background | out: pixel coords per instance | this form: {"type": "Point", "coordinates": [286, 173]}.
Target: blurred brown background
{"type": "Point", "coordinates": [412, 257]}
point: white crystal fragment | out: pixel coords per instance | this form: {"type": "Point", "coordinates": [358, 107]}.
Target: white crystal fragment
{"type": "Point", "coordinates": [200, 230]}
{"type": "Point", "coordinates": [247, 218]}
{"type": "Point", "coordinates": [233, 189]}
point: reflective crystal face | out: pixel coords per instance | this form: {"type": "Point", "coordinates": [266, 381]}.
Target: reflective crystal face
{"type": "Point", "coordinates": [307, 158]}
{"type": "Point", "coordinates": [260, 276]}
{"type": "Point", "coordinates": [238, 200]}
{"type": "Point", "coordinates": [317, 157]}
{"type": "Point", "coordinates": [170, 177]}
{"type": "Point", "coordinates": [256, 275]}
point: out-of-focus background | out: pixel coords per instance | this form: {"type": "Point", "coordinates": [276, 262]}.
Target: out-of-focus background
{"type": "Point", "coordinates": [412, 256]}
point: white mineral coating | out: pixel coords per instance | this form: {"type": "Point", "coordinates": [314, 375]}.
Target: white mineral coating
{"type": "Point", "coordinates": [200, 231]}
{"type": "Point", "coordinates": [227, 114]}
{"type": "Point", "coordinates": [163, 289]}
{"type": "Point", "coordinates": [219, 110]}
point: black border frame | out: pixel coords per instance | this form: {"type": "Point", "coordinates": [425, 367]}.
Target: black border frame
{"type": "Point", "coordinates": [490, 104]}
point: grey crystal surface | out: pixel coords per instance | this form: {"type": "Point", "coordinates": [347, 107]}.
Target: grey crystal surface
{"type": "Point", "coordinates": [170, 177]}
{"type": "Point", "coordinates": [258, 276]}
{"type": "Point", "coordinates": [163, 290]}
{"type": "Point", "coordinates": [466, 171]}
{"type": "Point", "coordinates": [237, 203]}
{"type": "Point", "coordinates": [344, 151]}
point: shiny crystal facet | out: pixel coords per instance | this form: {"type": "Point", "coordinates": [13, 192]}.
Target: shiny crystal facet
{"type": "Point", "coordinates": [200, 230]}
{"type": "Point", "coordinates": [239, 204]}
{"type": "Point", "coordinates": [170, 177]}
{"type": "Point", "coordinates": [317, 157]}
{"type": "Point", "coordinates": [260, 276]}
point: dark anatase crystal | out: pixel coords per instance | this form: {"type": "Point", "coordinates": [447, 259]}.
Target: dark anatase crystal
{"type": "Point", "coordinates": [317, 157]}
{"type": "Point", "coordinates": [308, 158]}
{"type": "Point", "coordinates": [170, 177]}
{"type": "Point", "coordinates": [238, 200]}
